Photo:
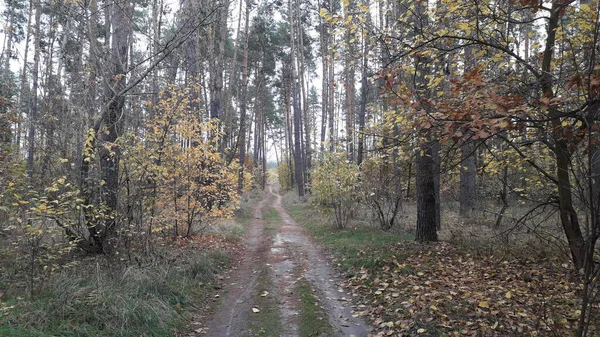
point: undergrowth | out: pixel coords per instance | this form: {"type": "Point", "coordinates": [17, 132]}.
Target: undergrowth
{"type": "Point", "coordinates": [476, 283]}
{"type": "Point", "coordinates": [101, 297]}
{"type": "Point", "coordinates": [353, 247]}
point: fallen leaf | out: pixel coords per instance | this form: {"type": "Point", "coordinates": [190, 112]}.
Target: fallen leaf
{"type": "Point", "coordinates": [255, 310]}
{"type": "Point", "coordinates": [484, 304]}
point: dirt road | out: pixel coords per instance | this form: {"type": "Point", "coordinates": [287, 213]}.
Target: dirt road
{"type": "Point", "coordinates": [276, 261]}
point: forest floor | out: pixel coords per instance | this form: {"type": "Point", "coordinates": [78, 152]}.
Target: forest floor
{"type": "Point", "coordinates": [300, 277]}
{"type": "Point", "coordinates": [278, 271]}
{"type": "Point", "coordinates": [283, 285]}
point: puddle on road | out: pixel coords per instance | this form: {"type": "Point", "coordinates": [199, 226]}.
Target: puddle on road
{"type": "Point", "coordinates": [276, 250]}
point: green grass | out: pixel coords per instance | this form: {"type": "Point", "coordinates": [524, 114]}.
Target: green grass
{"type": "Point", "coordinates": [153, 300]}
{"type": "Point", "coordinates": [313, 318]}
{"type": "Point", "coordinates": [354, 247]}
{"type": "Point", "coordinates": [272, 219]}
{"type": "Point", "coordinates": [266, 322]}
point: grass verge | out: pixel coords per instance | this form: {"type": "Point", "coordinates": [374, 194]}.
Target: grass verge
{"type": "Point", "coordinates": [353, 247]}
{"type": "Point", "coordinates": [102, 298]}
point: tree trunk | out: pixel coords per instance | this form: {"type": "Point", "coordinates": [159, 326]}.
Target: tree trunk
{"type": "Point", "coordinates": [426, 200]}
{"type": "Point", "coordinates": [216, 76]}
{"type": "Point", "coordinates": [23, 81]}
{"type": "Point", "coordinates": [568, 215]}
{"type": "Point", "coordinates": [364, 93]}
{"type": "Point", "coordinates": [297, 112]}
{"type": "Point", "coordinates": [233, 81]}
{"type": "Point", "coordinates": [110, 153]}
{"type": "Point", "coordinates": [307, 153]}
{"type": "Point", "coordinates": [33, 108]}
{"type": "Point", "coordinates": [467, 180]}
{"type": "Point", "coordinates": [331, 88]}
{"type": "Point", "coordinates": [436, 183]}
{"type": "Point", "coordinates": [242, 132]}
{"type": "Point", "coordinates": [325, 81]}
{"type": "Point", "coordinates": [349, 70]}
{"type": "Point", "coordinates": [6, 85]}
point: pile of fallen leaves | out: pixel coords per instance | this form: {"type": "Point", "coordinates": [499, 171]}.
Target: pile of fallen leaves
{"type": "Point", "coordinates": [441, 291]}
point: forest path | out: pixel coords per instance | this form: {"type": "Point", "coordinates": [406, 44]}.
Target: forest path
{"type": "Point", "coordinates": [289, 258]}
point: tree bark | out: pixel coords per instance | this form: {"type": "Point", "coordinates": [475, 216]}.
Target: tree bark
{"type": "Point", "coordinates": [242, 132]}
{"type": "Point", "coordinates": [426, 200]}
{"type": "Point", "coordinates": [349, 70]}
{"type": "Point", "coordinates": [110, 153]}
{"type": "Point", "coordinates": [33, 107]}
{"type": "Point", "coordinates": [325, 81]}
{"type": "Point", "coordinates": [297, 112]}
{"type": "Point", "coordinates": [331, 88]}
{"type": "Point", "coordinates": [568, 215]}
{"type": "Point", "coordinates": [364, 93]}
{"type": "Point", "coordinates": [216, 76]}
{"type": "Point", "coordinates": [467, 180]}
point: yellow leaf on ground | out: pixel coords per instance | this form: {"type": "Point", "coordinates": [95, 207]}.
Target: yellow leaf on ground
{"type": "Point", "coordinates": [421, 330]}
{"type": "Point", "coordinates": [508, 295]}
{"type": "Point", "coordinates": [484, 304]}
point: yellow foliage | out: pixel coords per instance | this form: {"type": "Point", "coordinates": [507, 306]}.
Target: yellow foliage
{"type": "Point", "coordinates": [335, 185]}
{"type": "Point", "coordinates": [193, 185]}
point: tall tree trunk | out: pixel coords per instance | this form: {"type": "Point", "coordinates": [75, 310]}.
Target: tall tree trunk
{"type": "Point", "coordinates": [110, 153]}
{"type": "Point", "coordinates": [23, 84]}
{"type": "Point", "coordinates": [6, 85]}
{"type": "Point", "coordinates": [242, 132]}
{"type": "Point", "coordinates": [364, 93]}
{"type": "Point", "coordinates": [331, 87]}
{"type": "Point", "coordinates": [427, 166]}
{"type": "Point", "coordinates": [467, 179]}
{"type": "Point", "coordinates": [349, 70]}
{"type": "Point", "coordinates": [426, 200]}
{"type": "Point", "coordinates": [298, 154]}
{"type": "Point", "coordinates": [468, 165]}
{"type": "Point", "coordinates": [216, 71]}
{"type": "Point", "coordinates": [568, 215]}
{"type": "Point", "coordinates": [436, 183]}
{"type": "Point", "coordinates": [289, 142]}
{"type": "Point", "coordinates": [34, 90]}
{"type": "Point", "coordinates": [233, 81]}
{"type": "Point", "coordinates": [307, 153]}
{"type": "Point", "coordinates": [325, 81]}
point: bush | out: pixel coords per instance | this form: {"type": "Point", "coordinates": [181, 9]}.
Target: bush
{"type": "Point", "coordinates": [335, 185]}
{"type": "Point", "coordinates": [381, 188]}
{"type": "Point", "coordinates": [190, 184]}
{"type": "Point", "coordinates": [284, 175]}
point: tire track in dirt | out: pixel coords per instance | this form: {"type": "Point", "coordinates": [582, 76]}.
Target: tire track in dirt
{"type": "Point", "coordinates": [233, 315]}
{"type": "Point", "coordinates": [289, 256]}
{"type": "Point", "coordinates": [293, 250]}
